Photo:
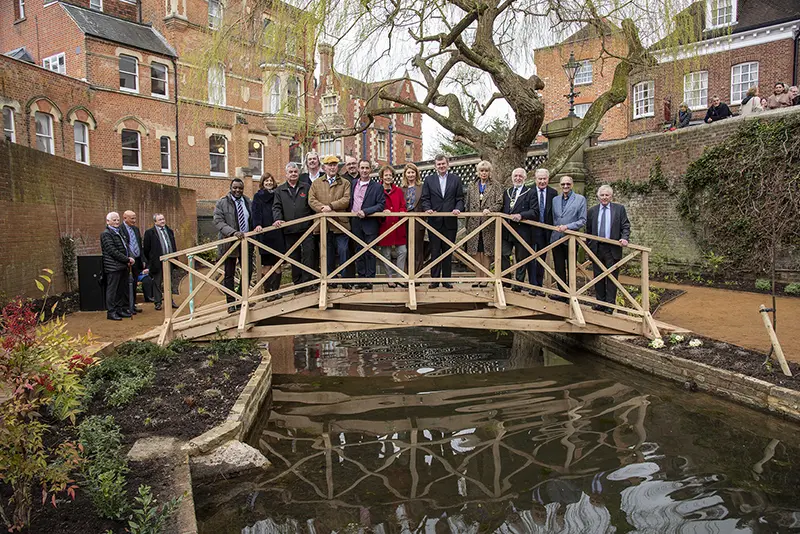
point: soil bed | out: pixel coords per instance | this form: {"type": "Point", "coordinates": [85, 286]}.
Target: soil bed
{"type": "Point", "coordinates": [734, 285]}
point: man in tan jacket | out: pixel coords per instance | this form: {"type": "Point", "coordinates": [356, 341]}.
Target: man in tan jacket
{"type": "Point", "coordinates": [332, 193]}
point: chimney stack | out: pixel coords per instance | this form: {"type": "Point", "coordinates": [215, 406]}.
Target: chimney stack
{"type": "Point", "coordinates": [325, 58]}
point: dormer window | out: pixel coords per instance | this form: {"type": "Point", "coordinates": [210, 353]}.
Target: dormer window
{"type": "Point", "coordinates": [720, 13]}
{"type": "Point", "coordinates": [330, 104]}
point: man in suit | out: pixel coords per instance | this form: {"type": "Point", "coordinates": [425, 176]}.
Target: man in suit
{"type": "Point", "coordinates": [232, 217]}
{"type": "Point", "coordinates": [313, 169]}
{"type": "Point", "coordinates": [608, 220]}
{"type": "Point", "coordinates": [133, 240]}
{"type": "Point", "coordinates": [442, 192]}
{"type": "Point", "coordinates": [366, 198]}
{"type": "Point", "coordinates": [569, 213]}
{"type": "Point", "coordinates": [116, 261]}
{"type": "Point", "coordinates": [541, 237]}
{"type": "Point", "coordinates": [291, 202]}
{"type": "Point", "coordinates": [520, 202]}
{"type": "Point", "coordinates": [158, 241]}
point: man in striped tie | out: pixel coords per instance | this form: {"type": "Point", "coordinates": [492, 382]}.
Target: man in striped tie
{"type": "Point", "coordinates": [232, 217]}
{"type": "Point", "coordinates": [609, 221]}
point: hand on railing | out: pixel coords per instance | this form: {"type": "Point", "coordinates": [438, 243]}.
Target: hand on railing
{"type": "Point", "coordinates": [623, 242]}
{"type": "Point", "coordinates": [516, 217]}
{"type": "Point", "coordinates": [238, 235]}
{"type": "Point", "coordinates": [361, 214]}
{"type": "Point", "coordinates": [278, 223]}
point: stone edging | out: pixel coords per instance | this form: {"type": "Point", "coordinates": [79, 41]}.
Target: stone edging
{"type": "Point", "coordinates": [740, 388]}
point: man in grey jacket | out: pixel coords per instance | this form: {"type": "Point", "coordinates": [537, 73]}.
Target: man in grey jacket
{"type": "Point", "coordinates": [569, 213]}
{"type": "Point", "coordinates": [233, 217]}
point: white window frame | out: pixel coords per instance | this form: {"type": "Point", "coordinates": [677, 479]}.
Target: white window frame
{"type": "Point", "coordinates": [155, 65]}
{"type": "Point", "coordinates": [58, 60]}
{"type": "Point", "coordinates": [585, 107]}
{"type": "Point", "coordinates": [260, 157]}
{"type": "Point", "coordinates": [11, 133]}
{"type": "Point", "coordinates": [584, 76]}
{"type": "Point", "coordinates": [217, 92]}
{"type": "Point", "coordinates": [21, 9]}
{"type": "Point", "coordinates": [215, 15]}
{"type": "Point", "coordinates": [329, 146]}
{"type": "Point", "coordinates": [380, 145]}
{"type": "Point", "coordinates": [84, 144]}
{"type": "Point", "coordinates": [330, 104]}
{"type": "Point", "coordinates": [223, 155]}
{"type": "Point", "coordinates": [275, 96]}
{"type": "Point", "coordinates": [162, 153]}
{"type": "Point", "coordinates": [697, 98]}
{"type": "Point", "coordinates": [47, 137]}
{"type": "Point", "coordinates": [94, 3]}
{"type": "Point", "coordinates": [739, 88]}
{"type": "Point", "coordinates": [295, 98]}
{"type": "Point", "coordinates": [644, 99]}
{"type": "Point", "coordinates": [712, 8]}
{"type": "Point", "coordinates": [408, 144]}
{"type": "Point", "coordinates": [408, 119]}
{"type": "Point", "coordinates": [135, 73]}
{"type": "Point", "coordinates": [137, 150]}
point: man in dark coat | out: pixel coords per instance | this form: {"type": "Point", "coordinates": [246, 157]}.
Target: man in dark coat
{"type": "Point", "coordinates": [116, 261]}
{"type": "Point", "coordinates": [158, 241]}
{"type": "Point", "coordinates": [608, 220]}
{"type": "Point", "coordinates": [520, 202]}
{"type": "Point", "coordinates": [290, 203]}
{"type": "Point", "coordinates": [366, 197]}
{"type": "Point", "coordinates": [232, 217]}
{"type": "Point", "coordinates": [442, 192]}
{"type": "Point", "coordinates": [313, 169]}
{"type": "Point", "coordinates": [718, 110]}
{"type": "Point", "coordinates": [541, 237]}
{"type": "Point", "coordinates": [133, 240]}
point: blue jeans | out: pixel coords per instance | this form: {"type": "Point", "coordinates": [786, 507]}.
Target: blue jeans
{"type": "Point", "coordinates": [337, 249]}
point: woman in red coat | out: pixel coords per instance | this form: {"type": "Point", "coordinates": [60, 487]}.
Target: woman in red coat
{"type": "Point", "coordinates": [395, 203]}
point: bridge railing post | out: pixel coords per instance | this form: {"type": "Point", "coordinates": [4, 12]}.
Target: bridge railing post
{"type": "Point", "coordinates": [500, 296]}
{"type": "Point", "coordinates": [244, 282]}
{"type": "Point", "coordinates": [166, 300]}
{"type": "Point", "coordinates": [323, 263]}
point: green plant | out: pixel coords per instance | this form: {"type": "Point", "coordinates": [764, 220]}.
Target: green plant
{"type": "Point", "coordinates": [106, 467]}
{"type": "Point", "coordinates": [179, 345]}
{"type": "Point", "coordinates": [226, 375]}
{"type": "Point", "coordinates": [762, 284]}
{"type": "Point", "coordinates": [792, 289]}
{"type": "Point", "coordinates": [713, 262]}
{"type": "Point", "coordinates": [224, 347]}
{"type": "Point", "coordinates": [148, 517]}
{"type": "Point", "coordinates": [69, 261]}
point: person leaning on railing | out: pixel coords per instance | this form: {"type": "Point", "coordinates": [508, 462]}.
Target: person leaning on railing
{"type": "Point", "coordinates": [232, 217]}
{"type": "Point", "coordinates": [483, 195]}
{"type": "Point", "coordinates": [291, 202]}
{"type": "Point", "coordinates": [609, 220]}
{"type": "Point", "coordinates": [541, 236]}
{"type": "Point", "coordinates": [412, 189]}
{"type": "Point", "coordinates": [329, 194]}
{"type": "Point", "coordinates": [263, 201]}
{"type": "Point", "coordinates": [569, 213]}
{"type": "Point", "coordinates": [442, 192]}
{"type": "Point", "coordinates": [366, 198]}
{"type": "Point", "coordinates": [395, 202]}
{"type": "Point", "coordinates": [520, 202]}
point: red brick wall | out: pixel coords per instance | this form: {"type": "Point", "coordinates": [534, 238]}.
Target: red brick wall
{"type": "Point", "coordinates": [43, 197]}
{"type": "Point", "coordinates": [117, 8]}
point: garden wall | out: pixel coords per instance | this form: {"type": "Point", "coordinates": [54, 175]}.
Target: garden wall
{"type": "Point", "coordinates": [44, 197]}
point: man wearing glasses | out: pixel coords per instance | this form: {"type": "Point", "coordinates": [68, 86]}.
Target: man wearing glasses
{"type": "Point", "coordinates": [569, 213]}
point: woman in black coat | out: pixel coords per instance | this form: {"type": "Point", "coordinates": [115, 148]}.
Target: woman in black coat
{"type": "Point", "coordinates": [262, 217]}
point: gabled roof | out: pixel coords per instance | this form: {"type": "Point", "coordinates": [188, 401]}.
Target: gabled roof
{"type": "Point", "coordinates": [21, 54]}
{"type": "Point", "coordinates": [120, 31]}
{"type": "Point", "coordinates": [591, 31]}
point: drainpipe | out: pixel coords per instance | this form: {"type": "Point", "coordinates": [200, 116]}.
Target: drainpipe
{"type": "Point", "coordinates": [364, 144]}
{"type": "Point", "coordinates": [794, 57]}
{"type": "Point", "coordinates": [177, 127]}
{"type": "Point", "coordinates": [391, 152]}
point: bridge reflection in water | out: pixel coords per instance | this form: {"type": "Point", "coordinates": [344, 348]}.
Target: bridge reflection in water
{"type": "Point", "coordinates": [430, 442]}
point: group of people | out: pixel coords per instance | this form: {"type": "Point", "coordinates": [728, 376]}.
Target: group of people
{"type": "Point", "coordinates": [323, 189]}
{"type": "Point", "coordinates": [126, 253]}
{"type": "Point", "coordinates": [782, 96]}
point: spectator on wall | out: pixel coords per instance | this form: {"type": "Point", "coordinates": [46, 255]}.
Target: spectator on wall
{"type": "Point", "coordinates": [684, 115]}
{"type": "Point", "coordinates": [794, 93]}
{"type": "Point", "coordinates": [751, 103]}
{"type": "Point", "coordinates": [718, 111]}
{"type": "Point", "coordinates": [779, 97]}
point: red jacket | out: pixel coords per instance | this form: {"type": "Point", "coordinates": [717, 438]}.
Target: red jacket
{"type": "Point", "coordinates": [395, 202]}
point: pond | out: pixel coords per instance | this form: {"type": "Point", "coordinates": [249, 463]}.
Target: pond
{"type": "Point", "coordinates": [460, 431]}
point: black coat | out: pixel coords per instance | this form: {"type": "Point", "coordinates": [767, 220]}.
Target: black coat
{"type": "Point", "coordinates": [124, 233]}
{"type": "Point", "coordinates": [152, 250]}
{"type": "Point", "coordinates": [453, 199]}
{"type": "Point", "coordinates": [263, 201]}
{"type": "Point", "coordinates": [540, 234]}
{"type": "Point", "coordinates": [374, 201]}
{"type": "Point", "coordinates": [289, 205]}
{"type": "Point", "coordinates": [115, 252]}
{"type": "Point", "coordinates": [620, 227]}
{"type": "Point", "coordinates": [718, 113]}
{"type": "Point", "coordinates": [526, 205]}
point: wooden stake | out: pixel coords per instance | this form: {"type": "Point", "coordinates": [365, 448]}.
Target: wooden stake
{"type": "Point", "coordinates": [774, 340]}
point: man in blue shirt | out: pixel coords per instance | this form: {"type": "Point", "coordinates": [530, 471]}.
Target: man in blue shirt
{"type": "Point", "coordinates": [609, 221]}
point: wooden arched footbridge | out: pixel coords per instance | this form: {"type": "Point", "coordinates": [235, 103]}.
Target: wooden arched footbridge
{"type": "Point", "coordinates": [483, 298]}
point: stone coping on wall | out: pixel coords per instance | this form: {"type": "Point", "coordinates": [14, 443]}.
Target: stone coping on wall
{"type": "Point", "coordinates": [737, 387]}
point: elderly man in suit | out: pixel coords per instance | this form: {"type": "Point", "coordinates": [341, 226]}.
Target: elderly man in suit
{"type": "Point", "coordinates": [290, 203]}
{"type": "Point", "coordinates": [232, 217]}
{"type": "Point", "coordinates": [610, 221]}
{"type": "Point", "coordinates": [116, 261]}
{"type": "Point", "coordinates": [366, 197]}
{"type": "Point", "coordinates": [541, 236]}
{"type": "Point", "coordinates": [442, 192]}
{"type": "Point", "coordinates": [520, 202]}
{"type": "Point", "coordinates": [158, 241]}
{"type": "Point", "coordinates": [133, 240]}
{"type": "Point", "coordinates": [569, 213]}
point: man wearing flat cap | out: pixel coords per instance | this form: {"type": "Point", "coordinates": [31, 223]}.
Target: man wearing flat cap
{"type": "Point", "coordinates": [330, 194]}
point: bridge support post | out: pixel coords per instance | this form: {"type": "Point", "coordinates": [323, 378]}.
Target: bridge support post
{"type": "Point", "coordinates": [649, 328]}
{"type": "Point", "coordinates": [244, 282]}
{"type": "Point", "coordinates": [572, 264]}
{"type": "Point", "coordinates": [500, 295]}
{"type": "Point", "coordinates": [323, 263]}
{"type": "Point", "coordinates": [166, 333]}
{"type": "Point", "coordinates": [411, 263]}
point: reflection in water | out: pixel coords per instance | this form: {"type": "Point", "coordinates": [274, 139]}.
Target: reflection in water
{"type": "Point", "coordinates": [543, 449]}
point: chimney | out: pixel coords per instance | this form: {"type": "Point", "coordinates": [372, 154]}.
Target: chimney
{"type": "Point", "coordinates": [325, 58]}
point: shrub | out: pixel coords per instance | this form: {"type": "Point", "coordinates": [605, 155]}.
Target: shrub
{"type": "Point", "coordinates": [119, 378]}
{"type": "Point", "coordinates": [224, 347]}
{"type": "Point", "coordinates": [762, 284]}
{"type": "Point", "coordinates": [145, 350]}
{"type": "Point", "coordinates": [106, 466]}
{"type": "Point", "coordinates": [792, 289]}
{"type": "Point", "coordinates": [148, 518]}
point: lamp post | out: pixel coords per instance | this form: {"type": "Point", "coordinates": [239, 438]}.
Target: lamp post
{"type": "Point", "coordinates": [571, 69]}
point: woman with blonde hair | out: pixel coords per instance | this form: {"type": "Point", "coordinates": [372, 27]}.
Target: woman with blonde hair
{"type": "Point", "coordinates": [483, 195]}
{"type": "Point", "coordinates": [412, 190]}
{"type": "Point", "coordinates": [751, 103]}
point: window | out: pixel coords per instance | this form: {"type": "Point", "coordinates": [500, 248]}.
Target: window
{"type": "Point", "coordinates": [22, 9]}
{"type": "Point", "coordinates": [8, 125]}
{"type": "Point", "coordinates": [255, 157]}
{"type": "Point", "coordinates": [55, 63]}
{"type": "Point", "coordinates": [128, 74]}
{"type": "Point", "coordinates": [381, 145]}
{"type": "Point", "coordinates": [329, 146]}
{"type": "Point", "coordinates": [296, 152]}
{"type": "Point", "coordinates": [158, 80]}
{"type": "Point", "coordinates": [275, 96]}
{"type": "Point", "coordinates": [581, 109]}
{"type": "Point", "coordinates": [214, 14]}
{"type": "Point", "coordinates": [166, 164]}
{"type": "Point", "coordinates": [81, 131]}
{"type": "Point", "coordinates": [131, 150]}
{"type": "Point", "coordinates": [408, 119]}
{"type": "Point", "coordinates": [743, 77]}
{"type": "Point", "coordinates": [330, 104]}
{"type": "Point", "coordinates": [96, 4]}
{"type": "Point", "coordinates": [720, 13]}
{"type": "Point", "coordinates": [695, 89]}
{"type": "Point", "coordinates": [218, 152]}
{"type": "Point", "coordinates": [216, 85]}
{"type": "Point", "coordinates": [644, 100]}
{"type": "Point", "coordinates": [44, 132]}
{"type": "Point", "coordinates": [583, 76]}
{"type": "Point", "coordinates": [293, 96]}
{"type": "Point", "coordinates": [409, 151]}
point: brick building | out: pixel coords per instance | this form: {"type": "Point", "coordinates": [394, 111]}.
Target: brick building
{"type": "Point", "coordinates": [341, 103]}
